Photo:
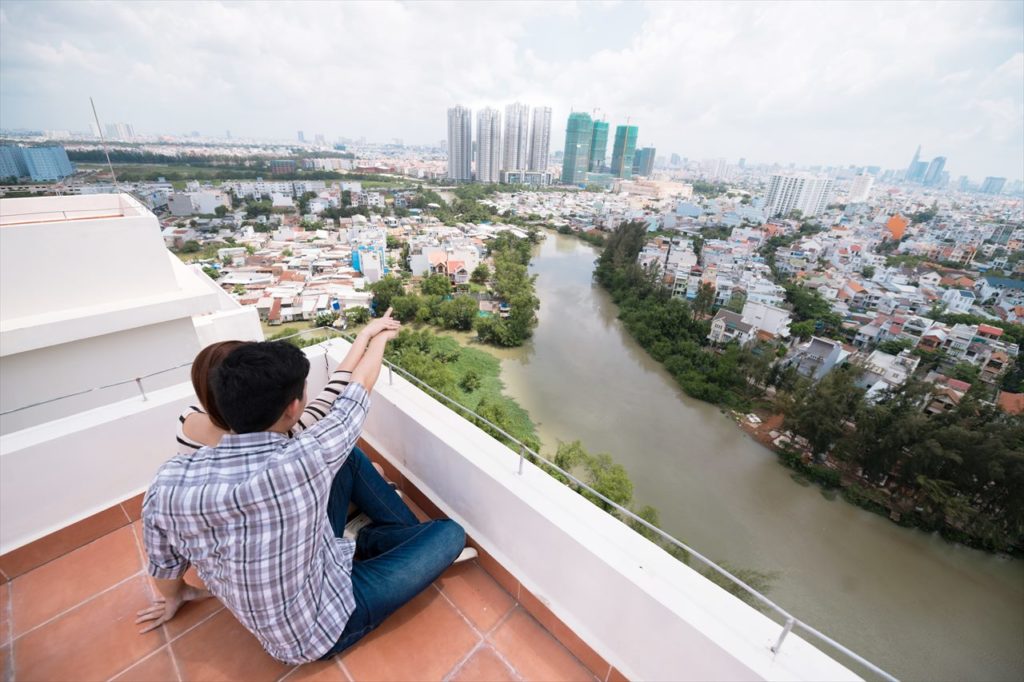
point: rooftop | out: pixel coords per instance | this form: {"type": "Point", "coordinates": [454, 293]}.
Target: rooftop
{"type": "Point", "coordinates": [71, 617]}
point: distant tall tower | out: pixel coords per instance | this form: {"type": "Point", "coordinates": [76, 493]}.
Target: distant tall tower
{"type": "Point", "coordinates": [912, 168]}
{"type": "Point", "coordinates": [460, 144]}
{"type": "Point", "coordinates": [488, 145]}
{"type": "Point", "coordinates": [302, 136]}
{"type": "Point", "coordinates": [623, 151]}
{"type": "Point", "coordinates": [540, 139]}
{"type": "Point", "coordinates": [933, 176]}
{"type": "Point", "coordinates": [643, 161]}
{"type": "Point", "coordinates": [860, 188]}
{"type": "Point", "coordinates": [598, 147]}
{"type": "Point", "coordinates": [517, 137]}
{"type": "Point", "coordinates": [579, 131]}
{"type": "Point", "coordinates": [800, 191]}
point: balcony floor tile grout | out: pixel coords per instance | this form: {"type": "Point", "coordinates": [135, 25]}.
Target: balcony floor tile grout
{"type": "Point", "coordinates": [134, 663]}
{"type": "Point", "coordinates": [85, 601]}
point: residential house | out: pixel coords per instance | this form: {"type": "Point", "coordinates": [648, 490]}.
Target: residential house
{"type": "Point", "coordinates": [959, 300]}
{"type": "Point", "coordinates": [728, 326]}
{"type": "Point", "coordinates": [885, 371]}
{"type": "Point", "coordinates": [768, 321]}
{"type": "Point", "coordinates": [817, 357]}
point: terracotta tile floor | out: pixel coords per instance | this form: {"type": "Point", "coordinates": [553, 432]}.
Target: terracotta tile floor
{"type": "Point", "coordinates": [73, 619]}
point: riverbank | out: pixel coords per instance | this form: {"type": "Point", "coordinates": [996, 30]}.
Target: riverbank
{"type": "Point", "coordinates": [835, 477]}
{"type": "Point", "coordinates": [896, 596]}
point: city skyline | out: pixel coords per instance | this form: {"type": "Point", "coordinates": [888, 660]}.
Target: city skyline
{"type": "Point", "coordinates": [870, 76]}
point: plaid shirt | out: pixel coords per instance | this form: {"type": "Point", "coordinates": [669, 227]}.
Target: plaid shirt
{"type": "Point", "coordinates": [251, 516]}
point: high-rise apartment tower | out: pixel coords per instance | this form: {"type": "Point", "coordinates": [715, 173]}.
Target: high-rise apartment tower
{"type": "Point", "coordinates": [540, 139]}
{"type": "Point", "coordinates": [488, 145]}
{"type": "Point", "coordinates": [623, 151]}
{"type": "Point", "coordinates": [797, 191]}
{"type": "Point", "coordinates": [579, 131]}
{"type": "Point", "coordinates": [643, 161]}
{"type": "Point", "coordinates": [598, 147]}
{"type": "Point", "coordinates": [517, 137]}
{"type": "Point", "coordinates": [860, 189]}
{"type": "Point", "coordinates": [460, 144]}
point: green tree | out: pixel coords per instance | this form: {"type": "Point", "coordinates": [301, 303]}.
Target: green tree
{"type": "Point", "coordinates": [238, 290]}
{"type": "Point", "coordinates": [705, 299]}
{"type": "Point", "coordinates": [357, 315]}
{"type": "Point", "coordinates": [221, 211]}
{"type": "Point", "coordinates": [868, 271]}
{"type": "Point", "coordinates": [212, 273]}
{"type": "Point", "coordinates": [481, 274]}
{"type": "Point", "coordinates": [820, 412]}
{"type": "Point", "coordinates": [436, 285]}
{"type": "Point", "coordinates": [470, 381]}
{"type": "Point", "coordinates": [191, 246]}
{"type": "Point", "coordinates": [325, 319]}
{"type": "Point", "coordinates": [384, 290]}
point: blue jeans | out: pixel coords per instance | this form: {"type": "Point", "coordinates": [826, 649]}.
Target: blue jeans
{"type": "Point", "coordinates": [397, 557]}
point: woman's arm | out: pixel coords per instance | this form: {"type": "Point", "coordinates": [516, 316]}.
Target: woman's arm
{"type": "Point", "coordinates": [368, 369]}
{"type": "Point", "coordinates": [340, 378]}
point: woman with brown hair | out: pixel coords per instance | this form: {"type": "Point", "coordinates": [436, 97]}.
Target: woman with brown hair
{"type": "Point", "coordinates": [203, 425]}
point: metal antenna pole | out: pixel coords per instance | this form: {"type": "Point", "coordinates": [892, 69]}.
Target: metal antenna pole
{"type": "Point", "coordinates": [103, 142]}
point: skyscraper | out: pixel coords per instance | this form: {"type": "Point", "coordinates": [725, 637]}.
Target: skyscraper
{"type": "Point", "coordinates": [540, 139]}
{"type": "Point", "coordinates": [301, 136]}
{"type": "Point", "coordinates": [517, 137]}
{"type": "Point", "coordinates": [992, 185]}
{"type": "Point", "coordinates": [598, 147]}
{"type": "Point", "coordinates": [933, 175]}
{"type": "Point", "coordinates": [797, 191]}
{"type": "Point", "coordinates": [579, 131]}
{"type": "Point", "coordinates": [912, 168]}
{"type": "Point", "coordinates": [623, 151]}
{"type": "Point", "coordinates": [861, 188]}
{"type": "Point", "coordinates": [643, 161]}
{"type": "Point", "coordinates": [460, 144]}
{"type": "Point", "coordinates": [488, 145]}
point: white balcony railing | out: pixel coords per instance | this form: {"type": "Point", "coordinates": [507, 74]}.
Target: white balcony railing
{"type": "Point", "coordinates": [656, 617]}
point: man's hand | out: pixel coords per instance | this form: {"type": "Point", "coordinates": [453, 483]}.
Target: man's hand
{"type": "Point", "coordinates": [383, 323]}
{"type": "Point", "coordinates": [164, 608]}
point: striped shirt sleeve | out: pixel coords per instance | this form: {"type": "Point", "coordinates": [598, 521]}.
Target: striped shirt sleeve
{"type": "Point", "coordinates": [334, 436]}
{"type": "Point", "coordinates": [187, 446]}
{"type": "Point", "coordinates": [321, 405]}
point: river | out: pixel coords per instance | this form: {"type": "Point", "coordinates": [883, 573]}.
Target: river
{"type": "Point", "coordinates": [908, 601]}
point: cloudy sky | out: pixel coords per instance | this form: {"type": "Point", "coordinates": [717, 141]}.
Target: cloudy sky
{"type": "Point", "coordinates": [811, 83]}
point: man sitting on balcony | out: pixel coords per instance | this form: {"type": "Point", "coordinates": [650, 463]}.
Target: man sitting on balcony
{"type": "Point", "coordinates": [262, 516]}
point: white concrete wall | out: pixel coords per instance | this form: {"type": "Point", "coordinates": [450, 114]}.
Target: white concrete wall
{"type": "Point", "coordinates": [646, 613]}
{"type": "Point", "coordinates": [88, 363]}
{"type": "Point", "coordinates": [92, 301]}
{"type": "Point", "coordinates": [66, 263]}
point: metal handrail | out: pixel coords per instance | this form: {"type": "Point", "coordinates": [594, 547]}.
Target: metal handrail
{"type": "Point", "coordinates": [790, 621]}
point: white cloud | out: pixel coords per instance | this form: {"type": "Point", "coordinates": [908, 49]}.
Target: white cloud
{"type": "Point", "coordinates": [807, 82]}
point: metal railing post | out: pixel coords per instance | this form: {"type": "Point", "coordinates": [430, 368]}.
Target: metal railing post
{"type": "Point", "coordinates": [391, 375]}
{"type": "Point", "coordinates": [138, 382]}
{"type": "Point", "coordinates": [782, 635]}
{"type": "Point", "coordinates": [522, 456]}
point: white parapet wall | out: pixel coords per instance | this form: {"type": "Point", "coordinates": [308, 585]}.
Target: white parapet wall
{"type": "Point", "coordinates": [649, 615]}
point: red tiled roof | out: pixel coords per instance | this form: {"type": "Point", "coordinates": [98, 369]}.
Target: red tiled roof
{"type": "Point", "coordinates": [1011, 403]}
{"type": "Point", "coordinates": [986, 329]}
{"type": "Point", "coordinates": [958, 385]}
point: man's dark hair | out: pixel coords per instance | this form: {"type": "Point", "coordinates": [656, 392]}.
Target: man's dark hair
{"type": "Point", "coordinates": [256, 382]}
